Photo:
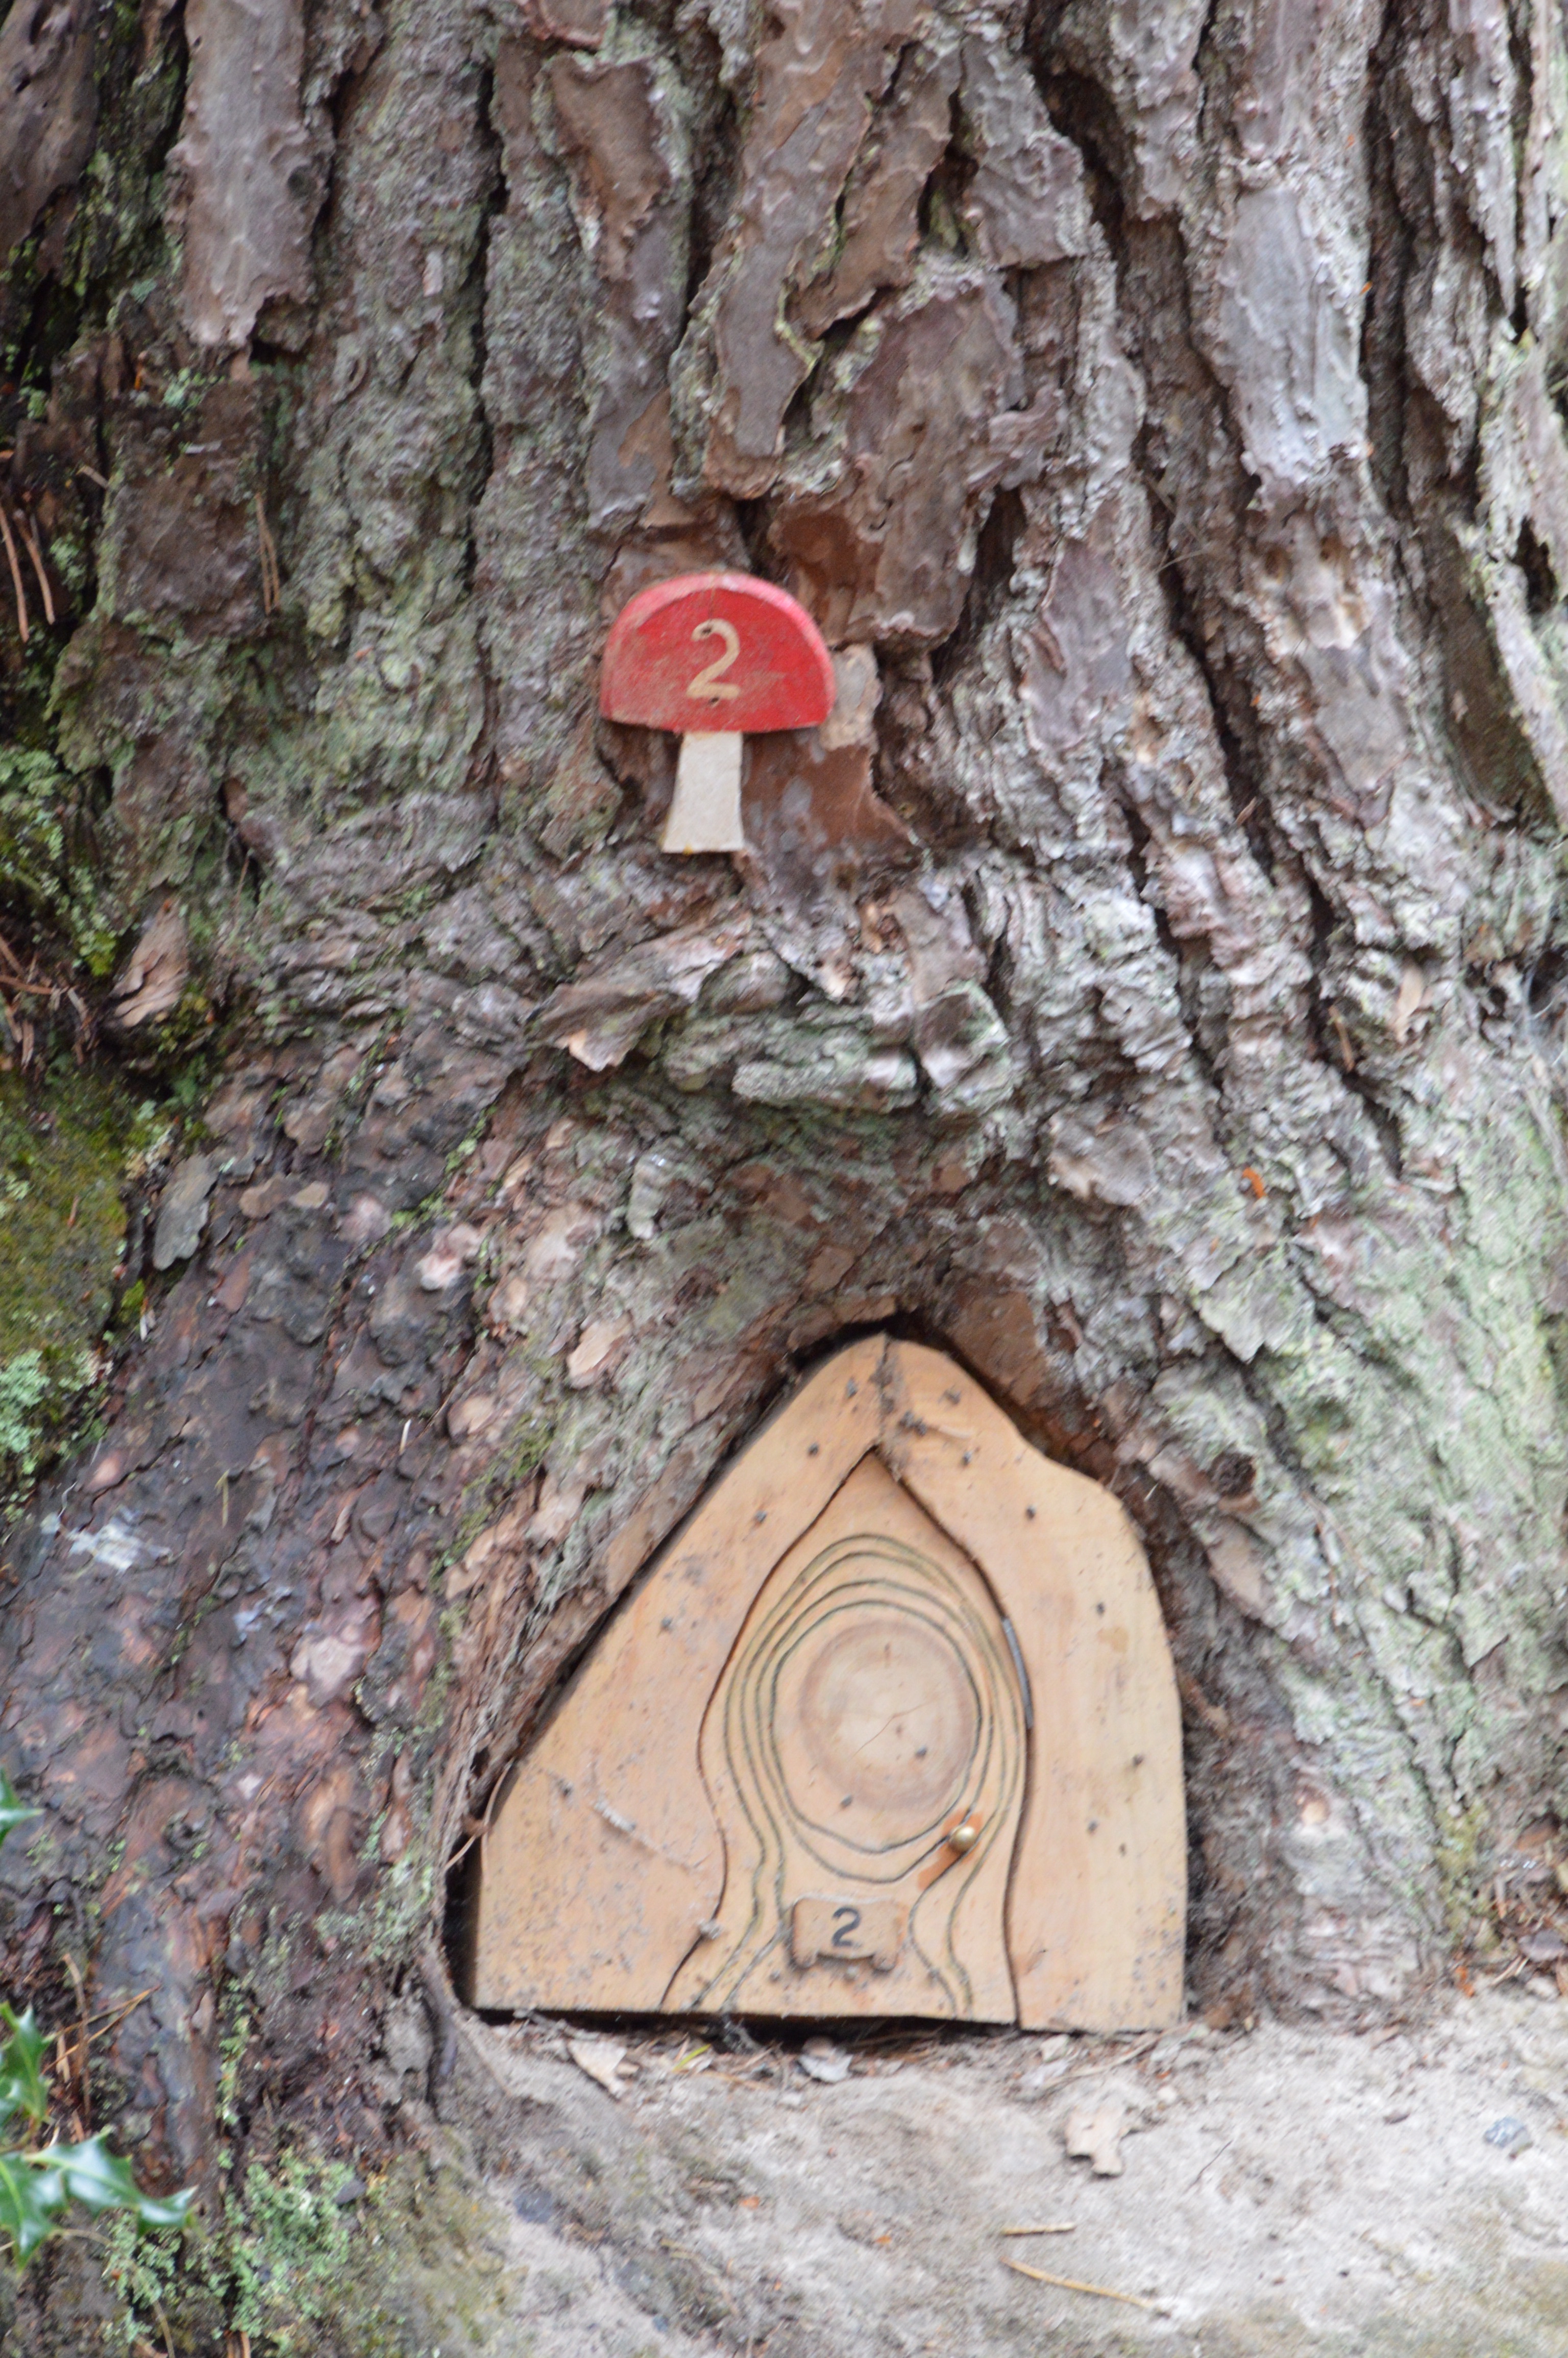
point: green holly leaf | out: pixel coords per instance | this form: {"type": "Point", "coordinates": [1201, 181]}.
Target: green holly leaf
{"type": "Point", "coordinates": [22, 2087]}
{"type": "Point", "coordinates": [13, 1811]}
{"type": "Point", "coordinates": [30, 2200]}
{"type": "Point", "coordinates": [164, 2210]}
{"type": "Point", "coordinates": [98, 2180]}
{"type": "Point", "coordinates": [101, 2180]}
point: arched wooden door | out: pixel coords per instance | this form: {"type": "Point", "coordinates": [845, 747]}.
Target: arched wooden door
{"type": "Point", "coordinates": [890, 1729]}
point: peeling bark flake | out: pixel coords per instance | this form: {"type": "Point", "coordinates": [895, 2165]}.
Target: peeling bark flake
{"type": "Point", "coordinates": [250, 197]}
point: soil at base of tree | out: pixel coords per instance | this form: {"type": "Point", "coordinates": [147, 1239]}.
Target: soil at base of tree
{"type": "Point", "coordinates": [1285, 2191]}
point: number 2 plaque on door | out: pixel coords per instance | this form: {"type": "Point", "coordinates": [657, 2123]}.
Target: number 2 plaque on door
{"type": "Point", "coordinates": [889, 1728]}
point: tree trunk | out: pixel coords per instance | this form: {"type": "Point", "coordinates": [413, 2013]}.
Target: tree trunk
{"type": "Point", "coordinates": [1148, 986]}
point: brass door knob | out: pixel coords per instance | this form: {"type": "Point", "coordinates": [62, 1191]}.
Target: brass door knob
{"type": "Point", "coordinates": [964, 1837]}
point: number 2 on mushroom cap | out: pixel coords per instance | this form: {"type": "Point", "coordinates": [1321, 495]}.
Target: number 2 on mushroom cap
{"type": "Point", "coordinates": [770, 670]}
{"type": "Point", "coordinates": [710, 683]}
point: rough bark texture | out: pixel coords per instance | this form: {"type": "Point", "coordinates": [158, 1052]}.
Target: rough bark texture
{"type": "Point", "coordinates": [1149, 984]}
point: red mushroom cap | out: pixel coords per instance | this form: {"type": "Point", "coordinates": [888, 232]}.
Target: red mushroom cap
{"type": "Point", "coordinates": [716, 651]}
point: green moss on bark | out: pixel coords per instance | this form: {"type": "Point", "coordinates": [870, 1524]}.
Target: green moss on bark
{"type": "Point", "coordinates": [65, 1157]}
{"type": "Point", "coordinates": [41, 872]}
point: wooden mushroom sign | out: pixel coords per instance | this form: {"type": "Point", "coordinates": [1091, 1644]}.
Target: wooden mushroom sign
{"type": "Point", "coordinates": [890, 1729]}
{"type": "Point", "coordinates": [714, 656]}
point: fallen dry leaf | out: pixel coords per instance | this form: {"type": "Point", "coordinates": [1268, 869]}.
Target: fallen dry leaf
{"type": "Point", "coordinates": [1093, 2134]}
{"type": "Point", "coordinates": [820, 2060]}
{"type": "Point", "coordinates": [602, 2059]}
{"type": "Point", "coordinates": [154, 978]}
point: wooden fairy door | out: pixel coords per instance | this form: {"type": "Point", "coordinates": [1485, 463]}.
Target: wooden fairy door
{"type": "Point", "coordinates": [889, 1728]}
{"type": "Point", "coordinates": [865, 1754]}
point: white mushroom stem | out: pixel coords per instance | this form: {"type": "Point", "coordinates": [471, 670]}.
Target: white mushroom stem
{"type": "Point", "coordinates": [705, 814]}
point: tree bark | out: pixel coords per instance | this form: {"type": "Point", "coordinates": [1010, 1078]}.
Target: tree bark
{"type": "Point", "coordinates": [1148, 986]}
